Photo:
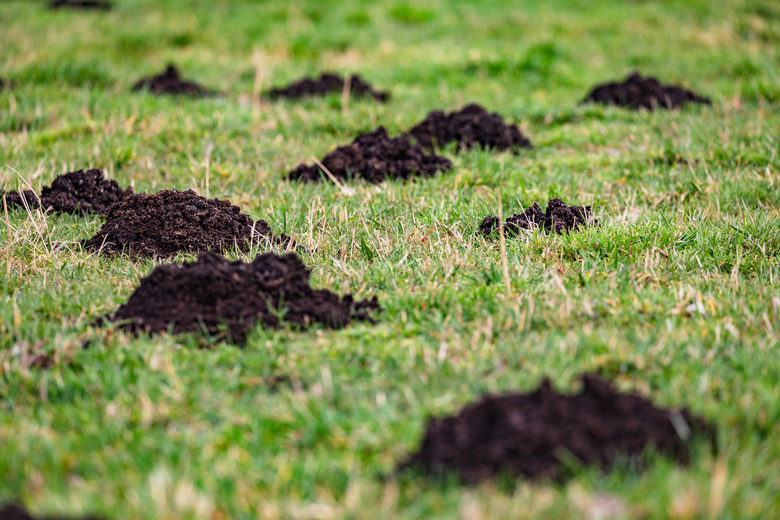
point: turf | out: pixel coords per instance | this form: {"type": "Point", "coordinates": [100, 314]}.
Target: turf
{"type": "Point", "coordinates": [674, 296]}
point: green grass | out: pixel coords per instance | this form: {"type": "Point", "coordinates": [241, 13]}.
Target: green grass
{"type": "Point", "coordinates": [309, 424]}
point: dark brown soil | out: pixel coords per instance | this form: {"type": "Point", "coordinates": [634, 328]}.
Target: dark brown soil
{"type": "Point", "coordinates": [637, 92]}
{"type": "Point", "coordinates": [540, 434]}
{"type": "Point", "coordinates": [170, 222]}
{"type": "Point", "coordinates": [375, 157]}
{"type": "Point", "coordinates": [327, 83]}
{"type": "Point", "coordinates": [558, 218]}
{"type": "Point", "coordinates": [78, 192]}
{"type": "Point", "coordinates": [469, 127]}
{"type": "Point", "coordinates": [217, 296]}
{"type": "Point", "coordinates": [14, 512]}
{"type": "Point", "coordinates": [170, 82]}
{"type": "Point", "coordinates": [81, 4]}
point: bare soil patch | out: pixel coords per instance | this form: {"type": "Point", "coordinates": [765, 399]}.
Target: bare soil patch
{"type": "Point", "coordinates": [470, 127]}
{"type": "Point", "coordinates": [170, 222]}
{"type": "Point", "coordinates": [170, 81]}
{"type": "Point", "coordinates": [375, 157]}
{"type": "Point", "coordinates": [644, 92]}
{"type": "Point", "coordinates": [558, 218]}
{"type": "Point", "coordinates": [327, 83]}
{"type": "Point", "coordinates": [78, 192]}
{"type": "Point", "coordinates": [543, 434]}
{"type": "Point", "coordinates": [224, 298]}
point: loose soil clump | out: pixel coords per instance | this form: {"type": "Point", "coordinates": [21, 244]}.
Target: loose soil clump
{"type": "Point", "coordinates": [375, 157]}
{"type": "Point", "coordinates": [327, 83]}
{"type": "Point", "coordinates": [79, 192]}
{"type": "Point", "coordinates": [539, 434]}
{"type": "Point", "coordinates": [218, 296]}
{"type": "Point", "coordinates": [470, 127]}
{"type": "Point", "coordinates": [644, 92]}
{"type": "Point", "coordinates": [15, 512]}
{"type": "Point", "coordinates": [170, 82]}
{"type": "Point", "coordinates": [170, 222]}
{"type": "Point", "coordinates": [81, 4]}
{"type": "Point", "coordinates": [558, 218]}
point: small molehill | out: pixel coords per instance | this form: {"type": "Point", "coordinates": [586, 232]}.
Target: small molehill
{"type": "Point", "coordinates": [558, 218]}
{"type": "Point", "coordinates": [540, 434]}
{"type": "Point", "coordinates": [170, 82]}
{"type": "Point", "coordinates": [79, 192]}
{"type": "Point", "coordinates": [81, 4]}
{"type": "Point", "coordinates": [327, 83]}
{"type": "Point", "coordinates": [170, 222]}
{"type": "Point", "coordinates": [218, 297]}
{"type": "Point", "coordinates": [375, 157]}
{"type": "Point", "coordinates": [644, 92]}
{"type": "Point", "coordinates": [470, 127]}
{"type": "Point", "coordinates": [15, 512]}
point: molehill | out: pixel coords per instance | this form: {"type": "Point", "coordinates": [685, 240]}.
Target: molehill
{"type": "Point", "coordinates": [327, 83]}
{"type": "Point", "coordinates": [15, 512]}
{"type": "Point", "coordinates": [558, 218]}
{"type": "Point", "coordinates": [643, 92]}
{"type": "Point", "coordinates": [81, 4]}
{"type": "Point", "coordinates": [170, 82]}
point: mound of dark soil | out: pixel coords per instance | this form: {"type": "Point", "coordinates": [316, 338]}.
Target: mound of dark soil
{"type": "Point", "coordinates": [470, 127]}
{"type": "Point", "coordinates": [81, 4]}
{"type": "Point", "coordinates": [75, 192]}
{"type": "Point", "coordinates": [558, 218]}
{"type": "Point", "coordinates": [637, 92]}
{"type": "Point", "coordinates": [375, 157]}
{"type": "Point", "coordinates": [170, 82]}
{"type": "Point", "coordinates": [540, 434]}
{"type": "Point", "coordinates": [215, 295]}
{"type": "Point", "coordinates": [327, 83]}
{"type": "Point", "coordinates": [14, 512]}
{"type": "Point", "coordinates": [170, 222]}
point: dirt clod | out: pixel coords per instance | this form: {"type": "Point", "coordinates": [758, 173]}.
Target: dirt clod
{"type": "Point", "coordinates": [644, 92]}
{"type": "Point", "coordinates": [78, 192]}
{"type": "Point", "coordinates": [170, 82]}
{"type": "Point", "coordinates": [540, 434]}
{"type": "Point", "coordinates": [81, 4]}
{"type": "Point", "coordinates": [170, 222]}
{"type": "Point", "coordinates": [15, 512]}
{"type": "Point", "coordinates": [327, 83]}
{"type": "Point", "coordinates": [470, 127]}
{"type": "Point", "coordinates": [375, 157]}
{"type": "Point", "coordinates": [215, 295]}
{"type": "Point", "coordinates": [558, 218]}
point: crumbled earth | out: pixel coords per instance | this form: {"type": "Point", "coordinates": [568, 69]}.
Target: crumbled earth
{"type": "Point", "coordinates": [327, 83]}
{"type": "Point", "coordinates": [470, 127]}
{"type": "Point", "coordinates": [15, 512]}
{"type": "Point", "coordinates": [375, 157]}
{"type": "Point", "coordinates": [644, 92]}
{"type": "Point", "coordinates": [221, 297]}
{"type": "Point", "coordinates": [81, 4]}
{"type": "Point", "coordinates": [170, 82]}
{"type": "Point", "coordinates": [79, 192]}
{"type": "Point", "coordinates": [170, 222]}
{"type": "Point", "coordinates": [537, 435]}
{"type": "Point", "coordinates": [558, 218]}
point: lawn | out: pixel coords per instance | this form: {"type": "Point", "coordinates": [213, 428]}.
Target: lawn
{"type": "Point", "coordinates": [675, 296]}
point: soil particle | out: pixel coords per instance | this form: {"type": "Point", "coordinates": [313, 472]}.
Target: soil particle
{"type": "Point", "coordinates": [644, 92]}
{"type": "Point", "coordinates": [170, 82]}
{"type": "Point", "coordinates": [15, 512]}
{"type": "Point", "coordinates": [327, 83]}
{"type": "Point", "coordinates": [470, 127]}
{"type": "Point", "coordinates": [558, 218]}
{"type": "Point", "coordinates": [539, 434]}
{"type": "Point", "coordinates": [170, 222]}
{"type": "Point", "coordinates": [81, 4]}
{"type": "Point", "coordinates": [215, 295]}
{"type": "Point", "coordinates": [375, 157]}
{"type": "Point", "coordinates": [78, 192]}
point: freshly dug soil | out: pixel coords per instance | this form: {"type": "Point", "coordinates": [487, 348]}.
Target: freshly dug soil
{"type": "Point", "coordinates": [215, 294]}
{"type": "Point", "coordinates": [327, 83]}
{"type": "Point", "coordinates": [81, 4]}
{"type": "Point", "coordinates": [14, 512]}
{"type": "Point", "coordinates": [637, 92]}
{"type": "Point", "coordinates": [558, 218]}
{"type": "Point", "coordinates": [170, 222]}
{"type": "Point", "coordinates": [78, 192]}
{"type": "Point", "coordinates": [470, 127]}
{"type": "Point", "coordinates": [533, 435]}
{"type": "Point", "coordinates": [170, 82]}
{"type": "Point", "coordinates": [375, 157]}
